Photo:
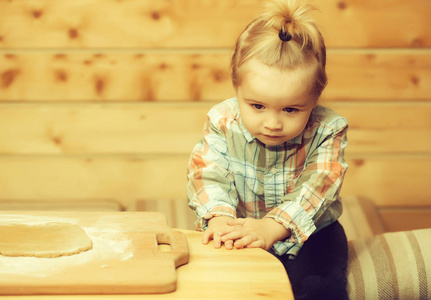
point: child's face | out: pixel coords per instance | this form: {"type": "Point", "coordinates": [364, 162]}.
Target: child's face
{"type": "Point", "coordinates": [275, 105]}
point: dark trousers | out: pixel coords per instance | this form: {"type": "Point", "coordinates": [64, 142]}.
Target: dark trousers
{"type": "Point", "coordinates": [319, 270]}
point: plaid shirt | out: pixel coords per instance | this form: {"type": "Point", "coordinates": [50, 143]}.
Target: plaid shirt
{"type": "Point", "coordinates": [297, 183]}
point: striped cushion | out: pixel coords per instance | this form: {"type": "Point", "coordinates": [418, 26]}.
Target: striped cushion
{"type": "Point", "coordinates": [391, 266]}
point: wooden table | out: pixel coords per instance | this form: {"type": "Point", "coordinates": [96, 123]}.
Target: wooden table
{"type": "Point", "coordinates": [213, 274]}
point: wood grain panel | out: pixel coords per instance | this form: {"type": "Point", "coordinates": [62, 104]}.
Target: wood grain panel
{"type": "Point", "coordinates": [100, 129]}
{"type": "Point", "coordinates": [388, 180]}
{"type": "Point", "coordinates": [113, 76]}
{"type": "Point", "coordinates": [60, 204]}
{"type": "Point", "coordinates": [124, 180]}
{"type": "Point", "coordinates": [387, 127]}
{"type": "Point", "coordinates": [175, 128]}
{"type": "Point", "coordinates": [375, 24]}
{"type": "Point", "coordinates": [406, 218]}
{"type": "Point", "coordinates": [193, 76]}
{"type": "Point", "coordinates": [382, 75]}
{"type": "Point", "coordinates": [200, 24]}
{"type": "Point", "coordinates": [122, 24]}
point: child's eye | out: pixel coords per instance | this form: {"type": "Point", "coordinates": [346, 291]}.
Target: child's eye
{"type": "Point", "coordinates": [258, 106]}
{"type": "Point", "coordinates": [290, 110]}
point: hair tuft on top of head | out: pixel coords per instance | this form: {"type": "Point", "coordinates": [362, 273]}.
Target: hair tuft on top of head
{"type": "Point", "coordinates": [295, 18]}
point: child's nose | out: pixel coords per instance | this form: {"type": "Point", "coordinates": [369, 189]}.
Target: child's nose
{"type": "Point", "coordinates": [273, 124]}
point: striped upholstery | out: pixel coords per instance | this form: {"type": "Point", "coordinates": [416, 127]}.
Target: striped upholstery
{"type": "Point", "coordinates": [391, 266]}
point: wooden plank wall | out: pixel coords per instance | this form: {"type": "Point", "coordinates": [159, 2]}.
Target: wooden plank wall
{"type": "Point", "coordinates": [104, 100]}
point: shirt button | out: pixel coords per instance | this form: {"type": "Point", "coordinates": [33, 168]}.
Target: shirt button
{"type": "Point", "coordinates": [273, 170]}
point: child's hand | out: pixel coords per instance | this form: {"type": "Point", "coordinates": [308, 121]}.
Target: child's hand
{"type": "Point", "coordinates": [215, 225]}
{"type": "Point", "coordinates": [254, 233]}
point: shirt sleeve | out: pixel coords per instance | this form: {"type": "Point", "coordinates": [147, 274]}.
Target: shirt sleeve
{"type": "Point", "coordinates": [210, 188]}
{"type": "Point", "coordinates": [316, 190]}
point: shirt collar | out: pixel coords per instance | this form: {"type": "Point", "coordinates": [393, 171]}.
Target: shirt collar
{"type": "Point", "coordinates": [296, 140]}
{"type": "Point", "coordinates": [248, 136]}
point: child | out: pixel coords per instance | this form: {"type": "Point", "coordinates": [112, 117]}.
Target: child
{"type": "Point", "coordinates": [270, 166]}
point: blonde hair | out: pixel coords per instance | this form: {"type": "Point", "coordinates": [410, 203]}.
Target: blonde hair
{"type": "Point", "coordinates": [302, 42]}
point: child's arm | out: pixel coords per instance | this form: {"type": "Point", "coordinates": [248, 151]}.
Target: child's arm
{"type": "Point", "coordinates": [314, 201]}
{"type": "Point", "coordinates": [211, 187]}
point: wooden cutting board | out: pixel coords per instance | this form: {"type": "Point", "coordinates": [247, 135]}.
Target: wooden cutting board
{"type": "Point", "coordinates": [125, 259]}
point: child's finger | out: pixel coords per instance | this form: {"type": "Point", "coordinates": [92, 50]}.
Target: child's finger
{"type": "Point", "coordinates": [207, 236]}
{"type": "Point", "coordinates": [228, 229]}
{"type": "Point", "coordinates": [233, 235]}
{"type": "Point", "coordinates": [228, 245]}
{"type": "Point", "coordinates": [256, 244]}
{"type": "Point", "coordinates": [244, 241]}
{"type": "Point", "coordinates": [217, 241]}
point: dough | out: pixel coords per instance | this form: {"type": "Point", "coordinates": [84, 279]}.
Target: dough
{"type": "Point", "coordinates": [43, 240]}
